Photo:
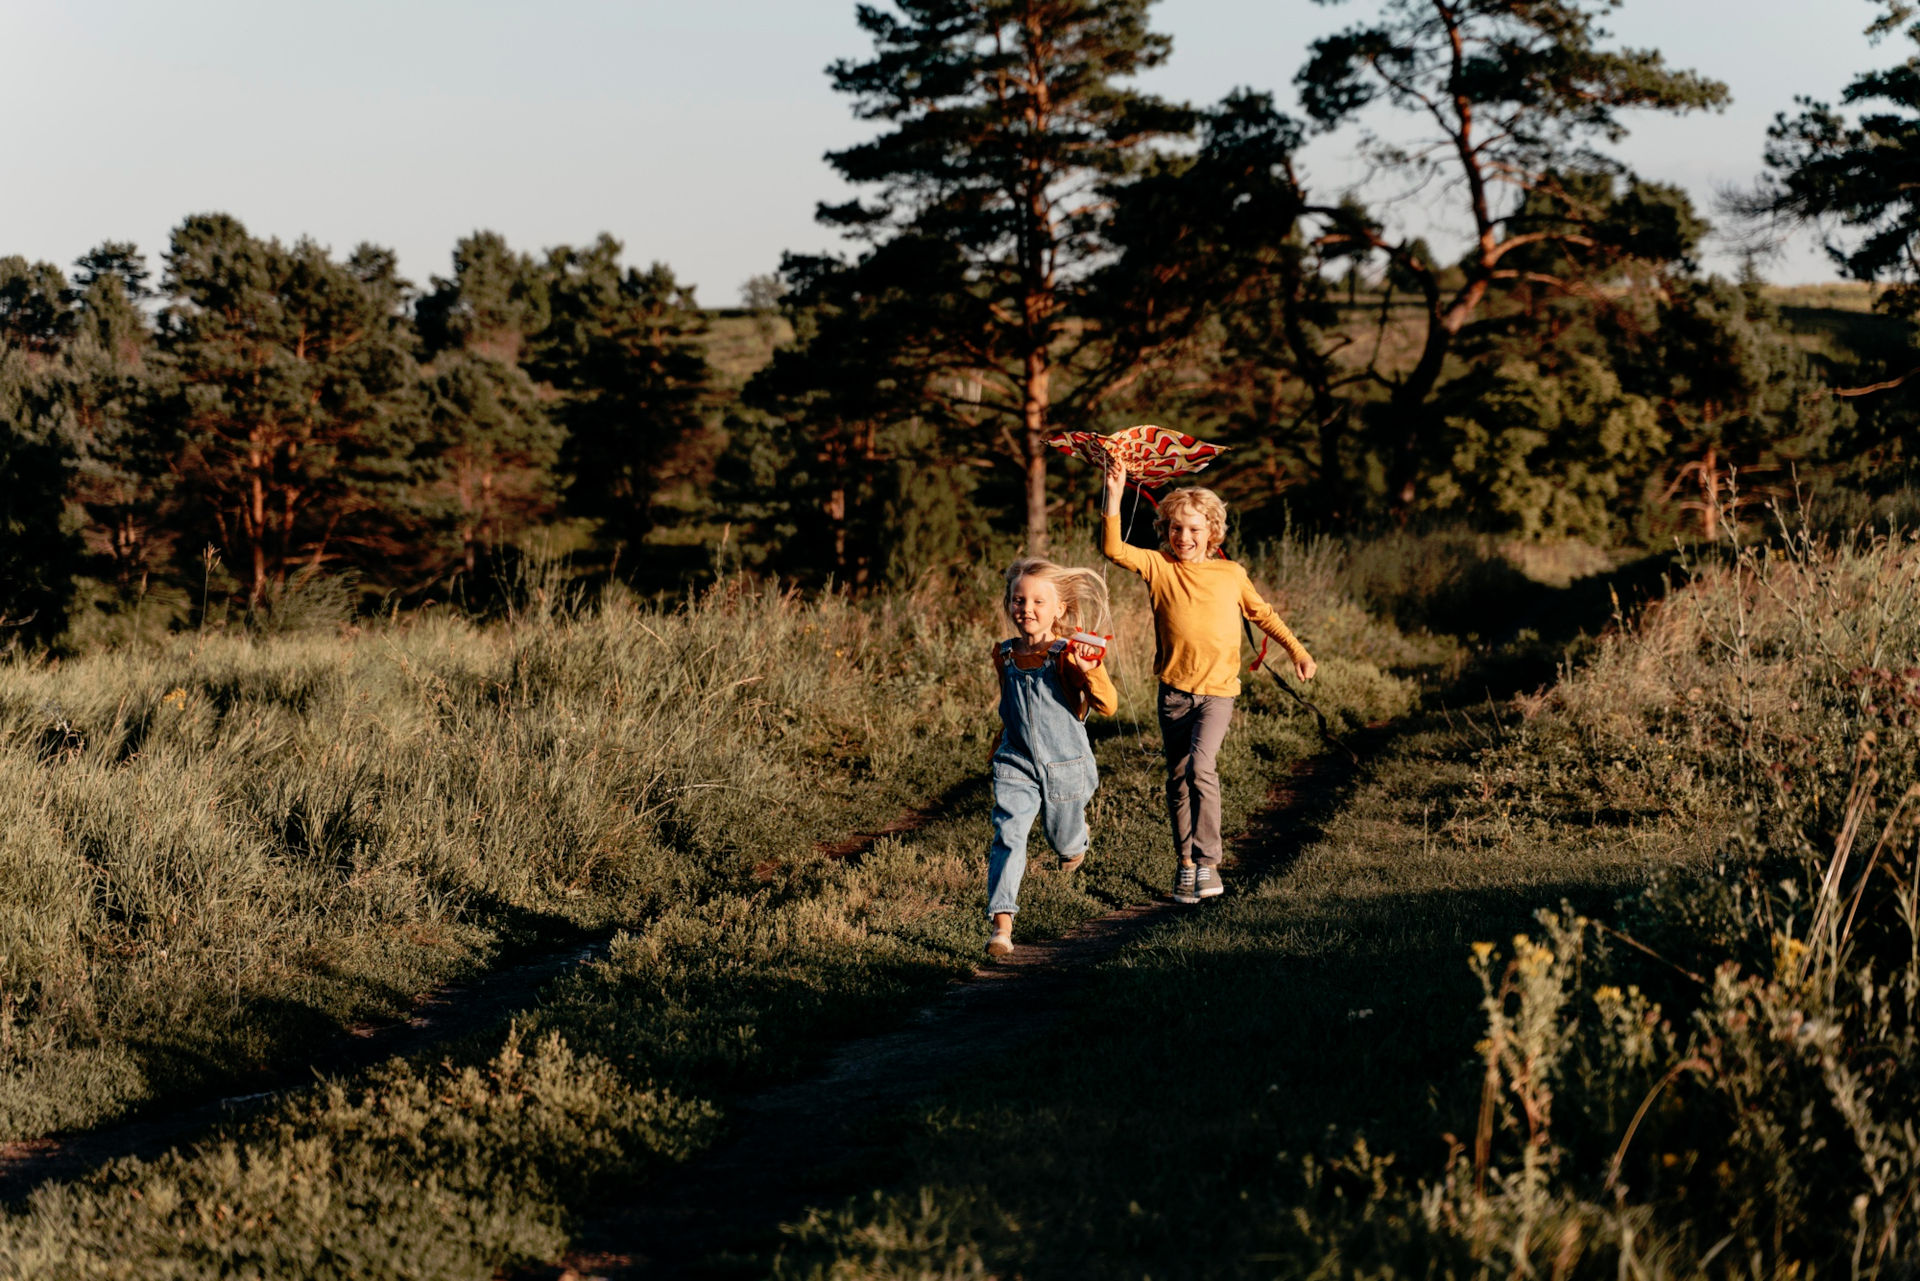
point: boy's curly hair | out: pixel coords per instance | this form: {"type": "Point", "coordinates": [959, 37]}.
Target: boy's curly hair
{"type": "Point", "coordinates": [1083, 595]}
{"type": "Point", "coordinates": [1211, 507]}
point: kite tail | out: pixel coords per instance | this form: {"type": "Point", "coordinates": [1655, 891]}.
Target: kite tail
{"type": "Point", "coordinates": [1318, 715]}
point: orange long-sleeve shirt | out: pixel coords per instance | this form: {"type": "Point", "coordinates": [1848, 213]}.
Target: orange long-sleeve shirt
{"type": "Point", "coordinates": [1197, 608]}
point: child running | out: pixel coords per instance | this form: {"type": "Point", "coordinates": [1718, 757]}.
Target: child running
{"type": "Point", "coordinates": [1198, 600]}
{"type": "Point", "coordinates": [1043, 764]}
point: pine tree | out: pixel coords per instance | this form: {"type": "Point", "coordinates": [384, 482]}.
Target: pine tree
{"type": "Point", "coordinates": [622, 349]}
{"type": "Point", "coordinates": [493, 304]}
{"type": "Point", "coordinates": [839, 455]}
{"type": "Point", "coordinates": [122, 474]}
{"type": "Point", "coordinates": [38, 551]}
{"type": "Point", "coordinates": [489, 441]}
{"type": "Point", "coordinates": [1513, 96]}
{"type": "Point", "coordinates": [1006, 120]}
{"type": "Point", "coordinates": [491, 446]}
{"type": "Point", "coordinates": [290, 416]}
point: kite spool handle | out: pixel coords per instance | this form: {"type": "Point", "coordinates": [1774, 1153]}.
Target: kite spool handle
{"type": "Point", "coordinates": [1096, 643]}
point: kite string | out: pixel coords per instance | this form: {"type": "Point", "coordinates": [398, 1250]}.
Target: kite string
{"type": "Point", "coordinates": [1137, 491]}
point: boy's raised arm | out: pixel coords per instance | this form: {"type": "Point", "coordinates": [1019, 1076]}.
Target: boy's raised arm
{"type": "Point", "coordinates": [1113, 545]}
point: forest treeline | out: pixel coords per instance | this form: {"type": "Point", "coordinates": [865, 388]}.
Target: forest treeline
{"type": "Point", "coordinates": [1039, 245]}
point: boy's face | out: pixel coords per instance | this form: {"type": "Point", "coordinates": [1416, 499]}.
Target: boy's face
{"type": "Point", "coordinates": [1035, 607]}
{"type": "Point", "coordinates": [1187, 536]}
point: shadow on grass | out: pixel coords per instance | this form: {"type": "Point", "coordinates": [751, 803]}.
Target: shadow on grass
{"type": "Point", "coordinates": [230, 1057]}
{"type": "Point", "coordinates": [1162, 1130]}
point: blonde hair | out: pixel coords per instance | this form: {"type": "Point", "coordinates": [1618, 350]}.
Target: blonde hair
{"type": "Point", "coordinates": [1212, 509]}
{"type": "Point", "coordinates": [1083, 595]}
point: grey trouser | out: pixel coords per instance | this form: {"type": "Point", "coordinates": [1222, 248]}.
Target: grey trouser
{"type": "Point", "coordinates": [1192, 727]}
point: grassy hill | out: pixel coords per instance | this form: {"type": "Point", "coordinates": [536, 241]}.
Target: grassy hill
{"type": "Point", "coordinates": [1602, 965]}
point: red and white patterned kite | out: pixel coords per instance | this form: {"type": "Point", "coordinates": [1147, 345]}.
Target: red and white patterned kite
{"type": "Point", "coordinates": [1151, 455]}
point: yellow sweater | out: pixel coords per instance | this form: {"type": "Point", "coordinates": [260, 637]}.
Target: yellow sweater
{"type": "Point", "coordinates": [1197, 607]}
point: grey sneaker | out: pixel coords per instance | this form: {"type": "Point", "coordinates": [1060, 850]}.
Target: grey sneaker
{"type": "Point", "coordinates": [1185, 884]}
{"type": "Point", "coordinates": [1207, 881]}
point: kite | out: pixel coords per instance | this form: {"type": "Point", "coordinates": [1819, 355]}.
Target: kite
{"type": "Point", "coordinates": [1151, 455]}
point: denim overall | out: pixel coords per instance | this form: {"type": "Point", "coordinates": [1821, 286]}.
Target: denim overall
{"type": "Point", "coordinates": [1043, 769]}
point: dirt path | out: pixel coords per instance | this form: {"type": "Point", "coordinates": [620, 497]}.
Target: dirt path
{"type": "Point", "coordinates": [800, 1144]}
{"type": "Point", "coordinates": [816, 1142]}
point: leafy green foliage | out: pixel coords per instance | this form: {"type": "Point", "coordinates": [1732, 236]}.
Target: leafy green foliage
{"type": "Point", "coordinates": [1515, 97]}
{"type": "Point", "coordinates": [1629, 418]}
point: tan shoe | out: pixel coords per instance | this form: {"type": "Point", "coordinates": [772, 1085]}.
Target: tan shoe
{"type": "Point", "coordinates": [1001, 944]}
{"type": "Point", "coordinates": [1072, 864]}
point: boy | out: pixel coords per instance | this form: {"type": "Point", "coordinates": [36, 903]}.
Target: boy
{"type": "Point", "coordinates": [1198, 600]}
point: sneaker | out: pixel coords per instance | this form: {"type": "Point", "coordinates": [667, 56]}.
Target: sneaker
{"type": "Point", "coordinates": [1001, 944]}
{"type": "Point", "coordinates": [1185, 884]}
{"type": "Point", "coordinates": [1207, 881]}
{"type": "Point", "coordinates": [1072, 863]}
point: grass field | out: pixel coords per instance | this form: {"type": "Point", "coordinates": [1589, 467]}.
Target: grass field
{"type": "Point", "coordinates": [1375, 1059]}
{"type": "Point", "coordinates": [1600, 982]}
{"type": "Point", "coordinates": [229, 849]}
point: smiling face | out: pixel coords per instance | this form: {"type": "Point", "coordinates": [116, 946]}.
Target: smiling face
{"type": "Point", "coordinates": [1188, 536]}
{"type": "Point", "coordinates": [1034, 607]}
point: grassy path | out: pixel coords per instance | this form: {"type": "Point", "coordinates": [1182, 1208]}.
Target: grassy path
{"type": "Point", "coordinates": [1205, 1109]}
{"type": "Point", "coordinates": [798, 1141]}
{"type": "Point", "coordinates": [1196, 1098]}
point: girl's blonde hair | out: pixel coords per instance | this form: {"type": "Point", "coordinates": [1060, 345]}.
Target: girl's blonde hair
{"type": "Point", "coordinates": [1083, 595]}
{"type": "Point", "coordinates": [1212, 509]}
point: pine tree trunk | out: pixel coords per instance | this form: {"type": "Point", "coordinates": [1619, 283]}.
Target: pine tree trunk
{"type": "Point", "coordinates": [1038, 388]}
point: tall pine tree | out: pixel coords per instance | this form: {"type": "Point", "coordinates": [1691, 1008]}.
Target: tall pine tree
{"type": "Point", "coordinates": [1511, 99]}
{"type": "Point", "coordinates": [292, 413]}
{"type": "Point", "coordinates": [1006, 120]}
{"type": "Point", "coordinates": [490, 441]}
{"type": "Point", "coordinates": [622, 348]}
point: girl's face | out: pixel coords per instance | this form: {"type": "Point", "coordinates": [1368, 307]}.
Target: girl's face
{"type": "Point", "coordinates": [1187, 536]}
{"type": "Point", "coordinates": [1035, 607]}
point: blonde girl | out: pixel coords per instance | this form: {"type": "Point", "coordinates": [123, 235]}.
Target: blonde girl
{"type": "Point", "coordinates": [1199, 598]}
{"type": "Point", "coordinates": [1043, 763]}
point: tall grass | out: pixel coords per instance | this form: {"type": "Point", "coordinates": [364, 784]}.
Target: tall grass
{"type": "Point", "coordinates": [1725, 1076]}
{"type": "Point", "coordinates": [216, 853]}
{"type": "Point", "coordinates": [775, 720]}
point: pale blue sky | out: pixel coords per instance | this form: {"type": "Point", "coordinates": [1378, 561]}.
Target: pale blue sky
{"type": "Point", "coordinates": [693, 130]}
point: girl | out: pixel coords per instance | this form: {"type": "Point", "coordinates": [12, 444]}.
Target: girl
{"type": "Point", "coordinates": [1198, 599]}
{"type": "Point", "coordinates": [1043, 764]}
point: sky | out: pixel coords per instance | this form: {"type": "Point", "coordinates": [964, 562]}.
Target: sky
{"type": "Point", "coordinates": [692, 130]}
